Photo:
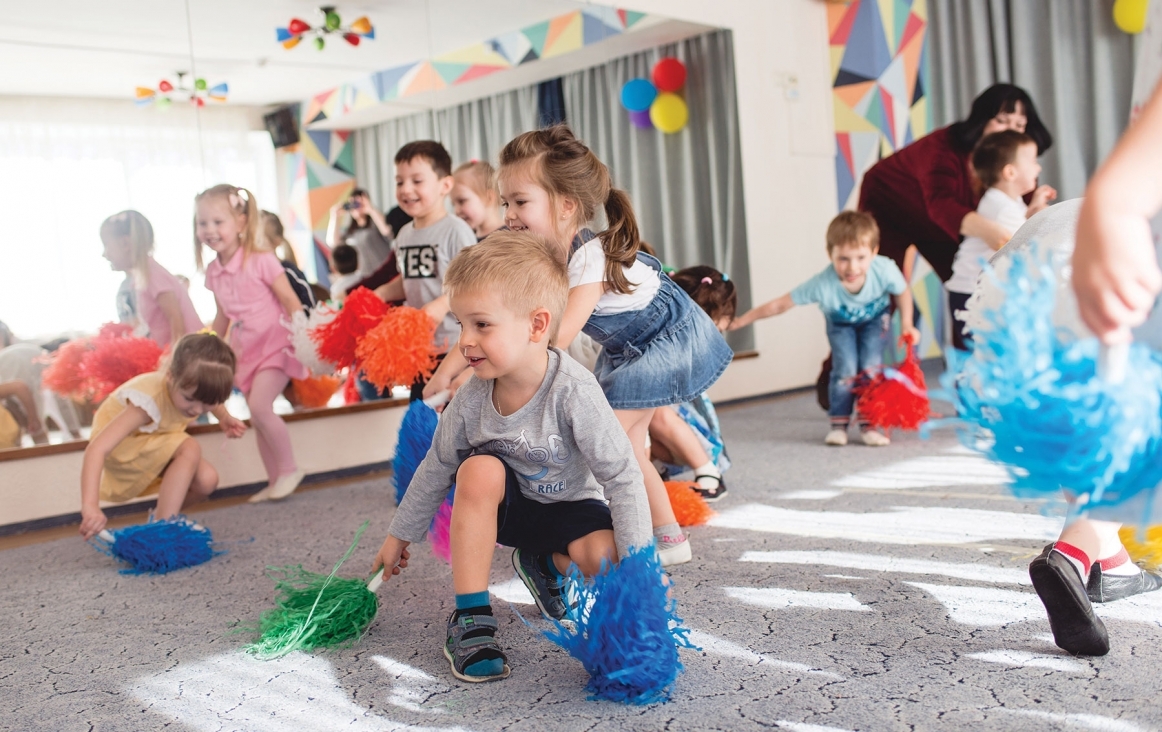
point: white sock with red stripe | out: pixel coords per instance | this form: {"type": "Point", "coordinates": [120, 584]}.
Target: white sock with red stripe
{"type": "Point", "coordinates": [1119, 564]}
{"type": "Point", "coordinates": [1076, 557]}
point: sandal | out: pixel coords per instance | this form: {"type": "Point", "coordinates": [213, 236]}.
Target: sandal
{"type": "Point", "coordinates": [709, 494]}
{"type": "Point", "coordinates": [472, 643]}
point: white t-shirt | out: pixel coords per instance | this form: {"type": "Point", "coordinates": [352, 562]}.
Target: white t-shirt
{"type": "Point", "coordinates": [588, 265]}
{"type": "Point", "coordinates": [999, 208]}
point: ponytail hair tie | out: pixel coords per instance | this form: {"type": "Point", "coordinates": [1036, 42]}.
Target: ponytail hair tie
{"type": "Point", "coordinates": [707, 281]}
{"type": "Point", "coordinates": [725, 278]}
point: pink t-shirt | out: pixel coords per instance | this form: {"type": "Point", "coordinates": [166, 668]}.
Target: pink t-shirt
{"type": "Point", "coordinates": [258, 334]}
{"type": "Point", "coordinates": [160, 280]}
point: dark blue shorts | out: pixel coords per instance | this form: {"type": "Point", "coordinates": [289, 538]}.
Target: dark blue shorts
{"type": "Point", "coordinates": [523, 523]}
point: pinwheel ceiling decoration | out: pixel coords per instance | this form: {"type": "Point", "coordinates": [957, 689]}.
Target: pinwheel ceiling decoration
{"type": "Point", "coordinates": [299, 29]}
{"type": "Point", "coordinates": [197, 94]}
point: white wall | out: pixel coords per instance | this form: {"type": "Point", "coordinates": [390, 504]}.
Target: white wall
{"type": "Point", "coordinates": [782, 73]}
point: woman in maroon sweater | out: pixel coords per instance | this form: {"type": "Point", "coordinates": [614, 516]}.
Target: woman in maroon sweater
{"type": "Point", "coordinates": [926, 194]}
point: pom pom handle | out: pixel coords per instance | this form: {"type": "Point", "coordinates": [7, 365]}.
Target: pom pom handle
{"type": "Point", "coordinates": [438, 398]}
{"type": "Point", "coordinates": [376, 580]}
{"type": "Point", "coordinates": [1112, 361]}
{"type": "Point", "coordinates": [104, 535]}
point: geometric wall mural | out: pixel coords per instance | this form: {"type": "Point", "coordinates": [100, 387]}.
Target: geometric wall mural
{"type": "Point", "coordinates": [879, 88]}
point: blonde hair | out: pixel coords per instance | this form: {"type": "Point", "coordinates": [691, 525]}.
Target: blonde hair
{"type": "Point", "coordinates": [480, 176]}
{"type": "Point", "coordinates": [242, 204]}
{"type": "Point", "coordinates": [561, 164]}
{"type": "Point", "coordinates": [853, 227]}
{"type": "Point", "coordinates": [521, 266]}
{"type": "Point", "coordinates": [273, 238]}
{"type": "Point", "coordinates": [205, 363]}
{"type": "Point", "coordinates": [134, 228]}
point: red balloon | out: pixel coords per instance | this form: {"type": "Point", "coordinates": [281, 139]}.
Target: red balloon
{"type": "Point", "coordinates": [298, 27]}
{"type": "Point", "coordinates": [165, 86]}
{"type": "Point", "coordinates": [351, 38]}
{"type": "Point", "coordinates": [669, 75]}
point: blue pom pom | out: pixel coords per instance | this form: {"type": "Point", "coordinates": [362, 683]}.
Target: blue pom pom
{"type": "Point", "coordinates": [628, 631]}
{"type": "Point", "coordinates": [160, 546]}
{"type": "Point", "coordinates": [1033, 393]}
{"type": "Point", "coordinates": [415, 439]}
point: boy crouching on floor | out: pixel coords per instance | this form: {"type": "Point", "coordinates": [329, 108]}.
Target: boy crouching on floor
{"type": "Point", "coordinates": [533, 448]}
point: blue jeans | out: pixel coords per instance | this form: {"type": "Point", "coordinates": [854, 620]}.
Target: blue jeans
{"type": "Point", "coordinates": [855, 347]}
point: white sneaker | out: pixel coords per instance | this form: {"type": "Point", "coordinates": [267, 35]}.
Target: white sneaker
{"type": "Point", "coordinates": [671, 551]}
{"type": "Point", "coordinates": [262, 495]}
{"type": "Point", "coordinates": [286, 485]}
{"type": "Point", "coordinates": [875, 438]}
{"type": "Point", "coordinates": [836, 438]}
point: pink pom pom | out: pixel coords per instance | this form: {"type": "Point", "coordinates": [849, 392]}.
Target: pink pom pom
{"type": "Point", "coordinates": [440, 532]}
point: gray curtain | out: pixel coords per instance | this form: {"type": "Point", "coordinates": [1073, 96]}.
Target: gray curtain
{"type": "Point", "coordinates": [1068, 54]}
{"type": "Point", "coordinates": [473, 130]}
{"type": "Point", "coordinates": [687, 187]}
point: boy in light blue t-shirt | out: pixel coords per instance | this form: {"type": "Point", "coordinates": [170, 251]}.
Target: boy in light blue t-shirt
{"type": "Point", "coordinates": [853, 295]}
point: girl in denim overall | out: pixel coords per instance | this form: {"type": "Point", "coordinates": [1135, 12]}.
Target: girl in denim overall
{"type": "Point", "coordinates": [658, 347]}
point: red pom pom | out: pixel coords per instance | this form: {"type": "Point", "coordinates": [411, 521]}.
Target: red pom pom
{"type": "Point", "coordinates": [351, 389]}
{"type": "Point", "coordinates": [63, 374]}
{"type": "Point", "coordinates": [895, 398]}
{"type": "Point", "coordinates": [116, 357]}
{"type": "Point", "coordinates": [316, 391]}
{"type": "Point", "coordinates": [689, 507]}
{"type": "Point", "coordinates": [398, 351]}
{"type": "Point", "coordinates": [362, 310]}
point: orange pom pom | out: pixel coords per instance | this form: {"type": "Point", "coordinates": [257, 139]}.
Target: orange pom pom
{"type": "Point", "coordinates": [63, 374]}
{"type": "Point", "coordinates": [316, 391]}
{"type": "Point", "coordinates": [400, 350]}
{"type": "Point", "coordinates": [337, 340]}
{"type": "Point", "coordinates": [689, 507]}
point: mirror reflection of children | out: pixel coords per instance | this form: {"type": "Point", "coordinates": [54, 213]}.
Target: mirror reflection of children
{"type": "Point", "coordinates": [688, 434]}
{"type": "Point", "coordinates": [11, 430]}
{"type": "Point", "coordinates": [540, 462]}
{"type": "Point", "coordinates": [1006, 164]}
{"type": "Point", "coordinates": [161, 301]}
{"type": "Point", "coordinates": [344, 270]}
{"type": "Point", "coordinates": [139, 444]}
{"type": "Point", "coordinates": [255, 300]}
{"type": "Point", "coordinates": [476, 199]}
{"type": "Point", "coordinates": [853, 294]}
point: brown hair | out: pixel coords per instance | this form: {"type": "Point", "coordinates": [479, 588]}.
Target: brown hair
{"type": "Point", "coordinates": [853, 227]}
{"type": "Point", "coordinates": [242, 204]}
{"type": "Point", "coordinates": [430, 150]}
{"type": "Point", "coordinates": [994, 152]}
{"type": "Point", "coordinates": [712, 290]}
{"type": "Point", "coordinates": [566, 168]}
{"type": "Point", "coordinates": [541, 280]}
{"type": "Point", "coordinates": [480, 176]}
{"type": "Point", "coordinates": [274, 237]}
{"type": "Point", "coordinates": [136, 229]}
{"type": "Point", "coordinates": [203, 362]}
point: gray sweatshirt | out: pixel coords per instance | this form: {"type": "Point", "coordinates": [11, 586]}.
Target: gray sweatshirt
{"type": "Point", "coordinates": [564, 445]}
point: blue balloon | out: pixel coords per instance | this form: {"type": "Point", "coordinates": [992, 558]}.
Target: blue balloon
{"type": "Point", "coordinates": [638, 94]}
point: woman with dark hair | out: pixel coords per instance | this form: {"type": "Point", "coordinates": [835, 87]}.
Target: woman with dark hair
{"type": "Point", "coordinates": [367, 230]}
{"type": "Point", "coordinates": [926, 194]}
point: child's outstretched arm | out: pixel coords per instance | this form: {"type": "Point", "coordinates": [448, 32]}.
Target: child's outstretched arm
{"type": "Point", "coordinates": [92, 517]}
{"type": "Point", "coordinates": [1115, 269]}
{"type": "Point", "coordinates": [778, 306]}
{"type": "Point", "coordinates": [231, 425]}
{"type": "Point", "coordinates": [392, 291]}
{"type": "Point", "coordinates": [286, 295]}
{"type": "Point", "coordinates": [167, 302]}
{"type": "Point", "coordinates": [582, 300]}
{"type": "Point", "coordinates": [221, 324]}
{"type": "Point", "coordinates": [904, 304]}
{"type": "Point", "coordinates": [393, 554]}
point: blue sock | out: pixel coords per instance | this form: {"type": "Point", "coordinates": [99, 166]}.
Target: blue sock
{"type": "Point", "coordinates": [472, 600]}
{"type": "Point", "coordinates": [551, 567]}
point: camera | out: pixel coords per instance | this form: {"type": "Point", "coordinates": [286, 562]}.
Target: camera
{"type": "Point", "coordinates": [353, 202]}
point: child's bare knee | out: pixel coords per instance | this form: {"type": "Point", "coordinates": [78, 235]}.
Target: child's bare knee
{"type": "Point", "coordinates": [480, 476]}
{"type": "Point", "coordinates": [206, 479]}
{"type": "Point", "coordinates": [190, 449]}
{"type": "Point", "coordinates": [591, 550]}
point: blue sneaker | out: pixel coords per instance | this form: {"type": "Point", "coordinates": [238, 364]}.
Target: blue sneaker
{"type": "Point", "coordinates": [548, 592]}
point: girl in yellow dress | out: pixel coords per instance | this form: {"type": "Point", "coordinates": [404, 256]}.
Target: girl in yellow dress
{"type": "Point", "coordinates": [139, 445]}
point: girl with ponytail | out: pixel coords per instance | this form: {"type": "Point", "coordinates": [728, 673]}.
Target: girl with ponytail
{"type": "Point", "coordinates": [658, 347]}
{"type": "Point", "coordinates": [253, 296]}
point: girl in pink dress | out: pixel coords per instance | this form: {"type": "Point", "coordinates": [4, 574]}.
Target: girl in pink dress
{"type": "Point", "coordinates": [253, 296]}
{"type": "Point", "coordinates": [163, 303]}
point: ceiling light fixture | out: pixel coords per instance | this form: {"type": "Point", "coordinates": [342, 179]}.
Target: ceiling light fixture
{"type": "Point", "coordinates": [298, 29]}
{"type": "Point", "coordinates": [197, 94]}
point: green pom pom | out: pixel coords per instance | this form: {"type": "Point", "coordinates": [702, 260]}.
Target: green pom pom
{"type": "Point", "coordinates": [314, 610]}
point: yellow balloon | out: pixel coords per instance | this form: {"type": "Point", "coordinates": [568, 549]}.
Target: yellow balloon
{"type": "Point", "coordinates": [669, 113]}
{"type": "Point", "coordinates": [1130, 15]}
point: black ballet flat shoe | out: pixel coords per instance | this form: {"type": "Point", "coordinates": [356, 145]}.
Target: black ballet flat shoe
{"type": "Point", "coordinates": [1109, 587]}
{"type": "Point", "coordinates": [1075, 627]}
